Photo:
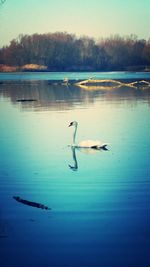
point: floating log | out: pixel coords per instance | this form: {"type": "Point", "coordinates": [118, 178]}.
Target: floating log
{"type": "Point", "coordinates": [99, 82]}
{"type": "Point", "coordinates": [30, 203]}
{"type": "Point", "coordinates": [26, 100]}
{"type": "Point", "coordinates": [94, 84]}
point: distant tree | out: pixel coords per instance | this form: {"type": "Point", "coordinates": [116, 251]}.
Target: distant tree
{"type": "Point", "coordinates": [146, 53]}
{"type": "Point", "coordinates": [1, 56]}
{"type": "Point", "coordinates": [116, 50]}
{"type": "Point", "coordinates": [61, 51]}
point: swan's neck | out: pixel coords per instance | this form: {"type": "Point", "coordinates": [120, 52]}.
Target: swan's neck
{"type": "Point", "coordinates": [74, 134]}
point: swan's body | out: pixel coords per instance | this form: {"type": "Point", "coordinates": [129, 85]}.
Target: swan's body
{"type": "Point", "coordinates": [95, 144]}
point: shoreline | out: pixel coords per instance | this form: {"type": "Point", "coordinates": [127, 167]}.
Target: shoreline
{"type": "Point", "coordinates": [41, 68]}
{"type": "Point", "coordinates": [74, 71]}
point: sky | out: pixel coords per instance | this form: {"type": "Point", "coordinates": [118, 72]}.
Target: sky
{"type": "Point", "coordinates": [94, 18]}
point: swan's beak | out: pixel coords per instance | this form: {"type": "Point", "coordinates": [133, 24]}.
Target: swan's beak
{"type": "Point", "coordinates": [70, 124]}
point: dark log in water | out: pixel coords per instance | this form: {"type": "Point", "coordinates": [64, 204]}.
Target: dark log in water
{"type": "Point", "coordinates": [26, 100]}
{"type": "Point", "coordinates": [30, 203]}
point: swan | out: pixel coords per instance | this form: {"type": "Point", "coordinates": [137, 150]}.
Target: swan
{"type": "Point", "coordinates": [95, 144]}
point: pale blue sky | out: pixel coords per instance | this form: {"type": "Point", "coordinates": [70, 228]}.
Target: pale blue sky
{"type": "Point", "coordinates": [95, 18]}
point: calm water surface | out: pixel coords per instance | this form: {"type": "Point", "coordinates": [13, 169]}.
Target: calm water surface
{"type": "Point", "coordinates": [73, 75]}
{"type": "Point", "coordinates": [100, 201]}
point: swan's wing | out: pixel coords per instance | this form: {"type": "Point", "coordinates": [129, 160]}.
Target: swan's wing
{"type": "Point", "coordinates": [95, 144]}
{"type": "Point", "coordinates": [90, 143]}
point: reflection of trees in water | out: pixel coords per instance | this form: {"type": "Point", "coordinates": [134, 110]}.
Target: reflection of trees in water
{"type": "Point", "coordinates": [131, 94]}
{"type": "Point", "coordinates": [55, 97]}
{"type": "Point", "coordinates": [61, 97]}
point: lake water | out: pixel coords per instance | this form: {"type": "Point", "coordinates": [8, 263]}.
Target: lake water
{"type": "Point", "coordinates": [73, 75]}
{"type": "Point", "coordinates": [99, 200]}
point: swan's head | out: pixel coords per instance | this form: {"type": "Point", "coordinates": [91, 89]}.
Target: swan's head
{"type": "Point", "coordinates": [73, 123]}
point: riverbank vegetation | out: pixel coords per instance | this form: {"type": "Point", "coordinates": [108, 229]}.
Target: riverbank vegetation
{"type": "Point", "coordinates": [66, 52]}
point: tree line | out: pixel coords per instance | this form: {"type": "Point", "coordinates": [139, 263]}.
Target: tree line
{"type": "Point", "coordinates": [66, 52]}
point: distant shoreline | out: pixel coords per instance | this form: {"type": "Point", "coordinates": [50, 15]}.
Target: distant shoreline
{"type": "Point", "coordinates": [41, 68]}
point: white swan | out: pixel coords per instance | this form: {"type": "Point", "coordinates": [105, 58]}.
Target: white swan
{"type": "Point", "coordinates": [95, 144]}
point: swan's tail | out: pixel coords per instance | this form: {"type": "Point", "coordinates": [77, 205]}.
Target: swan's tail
{"type": "Point", "coordinates": [102, 147]}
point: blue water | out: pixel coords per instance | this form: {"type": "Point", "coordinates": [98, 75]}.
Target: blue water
{"type": "Point", "coordinates": [101, 206]}
{"type": "Point", "coordinates": [73, 75]}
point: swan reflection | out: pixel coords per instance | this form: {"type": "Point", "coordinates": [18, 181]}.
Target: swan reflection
{"type": "Point", "coordinates": [89, 151]}
{"type": "Point", "coordinates": [74, 167]}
